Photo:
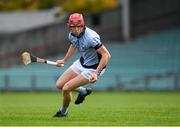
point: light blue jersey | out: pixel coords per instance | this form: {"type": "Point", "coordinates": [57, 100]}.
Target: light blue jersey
{"type": "Point", "coordinates": [87, 44]}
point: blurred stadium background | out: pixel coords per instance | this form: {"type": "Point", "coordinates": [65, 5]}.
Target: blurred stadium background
{"type": "Point", "coordinates": [143, 37]}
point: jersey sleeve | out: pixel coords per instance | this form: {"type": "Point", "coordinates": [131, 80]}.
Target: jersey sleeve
{"type": "Point", "coordinates": [96, 42]}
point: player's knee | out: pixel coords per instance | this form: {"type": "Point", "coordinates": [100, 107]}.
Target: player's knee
{"type": "Point", "coordinates": [59, 85]}
{"type": "Point", "coordinates": [65, 89]}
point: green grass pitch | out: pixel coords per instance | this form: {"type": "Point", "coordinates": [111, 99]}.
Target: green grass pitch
{"type": "Point", "coordinates": [99, 109]}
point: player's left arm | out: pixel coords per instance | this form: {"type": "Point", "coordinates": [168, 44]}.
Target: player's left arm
{"type": "Point", "coordinates": [104, 59]}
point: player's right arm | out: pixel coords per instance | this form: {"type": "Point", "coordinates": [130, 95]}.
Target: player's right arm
{"type": "Point", "coordinates": [70, 52]}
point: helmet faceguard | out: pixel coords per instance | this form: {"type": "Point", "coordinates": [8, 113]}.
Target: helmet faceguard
{"type": "Point", "coordinates": [75, 19]}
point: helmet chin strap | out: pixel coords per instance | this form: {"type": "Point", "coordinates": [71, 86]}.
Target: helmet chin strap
{"type": "Point", "coordinates": [81, 34]}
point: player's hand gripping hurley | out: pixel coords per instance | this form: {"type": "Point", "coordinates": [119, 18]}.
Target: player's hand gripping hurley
{"type": "Point", "coordinates": [28, 58]}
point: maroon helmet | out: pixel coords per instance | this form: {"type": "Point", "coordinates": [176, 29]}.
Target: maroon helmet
{"type": "Point", "coordinates": [75, 19]}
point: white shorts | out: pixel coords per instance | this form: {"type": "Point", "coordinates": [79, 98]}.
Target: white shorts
{"type": "Point", "coordinates": [85, 72]}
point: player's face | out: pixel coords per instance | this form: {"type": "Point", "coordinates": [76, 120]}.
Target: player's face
{"type": "Point", "coordinates": [76, 30]}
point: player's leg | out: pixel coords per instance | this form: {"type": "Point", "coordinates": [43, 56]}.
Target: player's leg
{"type": "Point", "coordinates": [68, 75]}
{"type": "Point", "coordinates": [65, 77]}
{"type": "Point", "coordinates": [68, 88]}
{"type": "Point", "coordinates": [75, 83]}
{"type": "Point", "coordinates": [82, 95]}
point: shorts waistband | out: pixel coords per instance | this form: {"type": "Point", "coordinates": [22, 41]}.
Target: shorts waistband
{"type": "Point", "coordinates": [94, 66]}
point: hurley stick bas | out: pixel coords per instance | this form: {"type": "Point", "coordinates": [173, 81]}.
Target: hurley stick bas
{"type": "Point", "coordinates": [28, 58]}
